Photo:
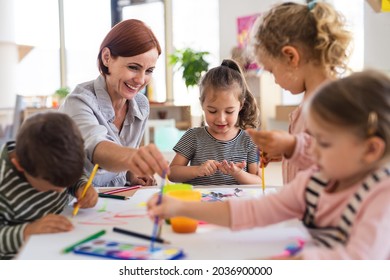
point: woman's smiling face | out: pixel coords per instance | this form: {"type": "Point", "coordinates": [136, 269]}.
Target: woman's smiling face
{"type": "Point", "coordinates": [129, 75]}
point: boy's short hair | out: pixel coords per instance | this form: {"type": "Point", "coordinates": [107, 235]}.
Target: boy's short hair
{"type": "Point", "coordinates": [49, 146]}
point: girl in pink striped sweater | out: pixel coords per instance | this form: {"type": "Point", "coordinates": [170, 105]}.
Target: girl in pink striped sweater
{"type": "Point", "coordinates": [344, 198]}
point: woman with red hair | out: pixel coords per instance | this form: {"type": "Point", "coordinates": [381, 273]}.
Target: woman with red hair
{"type": "Point", "coordinates": [112, 113]}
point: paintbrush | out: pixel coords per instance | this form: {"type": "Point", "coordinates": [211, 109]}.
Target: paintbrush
{"type": "Point", "coordinates": [156, 219]}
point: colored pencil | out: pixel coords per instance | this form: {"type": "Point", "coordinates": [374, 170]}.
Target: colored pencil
{"type": "Point", "coordinates": [89, 183]}
{"type": "Point", "coordinates": [155, 226]}
{"type": "Point", "coordinates": [260, 156]}
{"type": "Point", "coordinates": [89, 238]}
{"type": "Point", "coordinates": [113, 196]}
{"type": "Point", "coordinates": [139, 235]}
{"type": "Point", "coordinates": [262, 172]}
{"type": "Point", "coordinates": [124, 189]}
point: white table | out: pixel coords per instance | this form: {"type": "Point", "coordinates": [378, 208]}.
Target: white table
{"type": "Point", "coordinates": [209, 242]}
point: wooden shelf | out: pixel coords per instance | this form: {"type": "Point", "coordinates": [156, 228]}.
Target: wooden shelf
{"type": "Point", "coordinates": [29, 111]}
{"type": "Point", "coordinates": [23, 50]}
{"type": "Point", "coordinates": [181, 113]}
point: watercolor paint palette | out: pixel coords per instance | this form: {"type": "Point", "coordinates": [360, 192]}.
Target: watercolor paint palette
{"type": "Point", "coordinates": [127, 251]}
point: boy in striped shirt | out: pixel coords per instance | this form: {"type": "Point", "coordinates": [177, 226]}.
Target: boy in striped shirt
{"type": "Point", "coordinates": [38, 174]}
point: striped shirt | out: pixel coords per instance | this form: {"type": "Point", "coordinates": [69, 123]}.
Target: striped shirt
{"type": "Point", "coordinates": [332, 236]}
{"type": "Point", "coordinates": [21, 204]}
{"type": "Point", "coordinates": [198, 145]}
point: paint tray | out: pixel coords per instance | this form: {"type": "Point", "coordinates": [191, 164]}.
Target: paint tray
{"type": "Point", "coordinates": [127, 251]}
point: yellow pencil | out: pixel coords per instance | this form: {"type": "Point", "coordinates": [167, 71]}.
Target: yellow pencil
{"type": "Point", "coordinates": [262, 173]}
{"type": "Point", "coordinates": [89, 183]}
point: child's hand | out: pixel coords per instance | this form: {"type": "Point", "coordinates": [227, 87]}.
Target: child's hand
{"type": "Point", "coordinates": [169, 207]}
{"type": "Point", "coordinates": [89, 200]}
{"type": "Point", "coordinates": [48, 224]}
{"type": "Point", "coordinates": [274, 142]}
{"type": "Point", "coordinates": [267, 159]}
{"type": "Point", "coordinates": [208, 168]}
{"type": "Point", "coordinates": [231, 168]}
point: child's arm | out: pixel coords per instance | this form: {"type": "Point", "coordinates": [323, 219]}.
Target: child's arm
{"type": "Point", "coordinates": [13, 237]}
{"type": "Point", "coordinates": [50, 223]}
{"type": "Point", "coordinates": [216, 212]}
{"type": "Point", "coordinates": [302, 156]}
{"type": "Point", "coordinates": [369, 235]}
{"type": "Point", "coordinates": [237, 172]}
{"type": "Point", "coordinates": [180, 172]}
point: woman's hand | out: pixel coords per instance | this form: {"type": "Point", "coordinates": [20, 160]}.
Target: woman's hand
{"type": "Point", "coordinates": [148, 160]}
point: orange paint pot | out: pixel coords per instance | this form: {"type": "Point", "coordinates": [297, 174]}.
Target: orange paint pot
{"type": "Point", "coordinates": [184, 224]}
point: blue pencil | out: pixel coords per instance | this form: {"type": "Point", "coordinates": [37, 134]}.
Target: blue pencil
{"type": "Point", "coordinates": [155, 226]}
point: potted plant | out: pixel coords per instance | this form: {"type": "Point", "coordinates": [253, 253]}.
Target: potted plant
{"type": "Point", "coordinates": [59, 95]}
{"type": "Point", "coordinates": [192, 63]}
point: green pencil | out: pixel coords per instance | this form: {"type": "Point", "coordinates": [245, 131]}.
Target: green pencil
{"type": "Point", "coordinates": [112, 196]}
{"type": "Point", "coordinates": [89, 238]}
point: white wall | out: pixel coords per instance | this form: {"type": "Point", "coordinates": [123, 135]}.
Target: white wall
{"type": "Point", "coordinates": [8, 55]}
{"type": "Point", "coordinates": [229, 11]}
{"type": "Point", "coordinates": [376, 39]}
{"type": "Point", "coordinates": [267, 93]}
{"type": "Point", "coordinates": [376, 29]}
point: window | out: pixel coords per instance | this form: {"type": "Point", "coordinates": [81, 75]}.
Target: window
{"type": "Point", "coordinates": [191, 30]}
{"type": "Point", "coordinates": [354, 15]}
{"type": "Point", "coordinates": [39, 72]}
{"type": "Point", "coordinates": [86, 23]}
{"type": "Point", "coordinates": [153, 15]}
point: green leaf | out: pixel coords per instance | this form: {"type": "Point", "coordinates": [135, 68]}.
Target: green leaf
{"type": "Point", "coordinates": [191, 62]}
{"type": "Point", "coordinates": [62, 92]}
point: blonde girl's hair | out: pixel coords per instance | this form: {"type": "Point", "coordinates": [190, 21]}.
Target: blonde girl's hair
{"type": "Point", "coordinates": [317, 30]}
{"type": "Point", "coordinates": [359, 102]}
{"type": "Point", "coordinates": [227, 76]}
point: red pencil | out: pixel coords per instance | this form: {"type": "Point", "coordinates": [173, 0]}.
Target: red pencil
{"type": "Point", "coordinates": [124, 189]}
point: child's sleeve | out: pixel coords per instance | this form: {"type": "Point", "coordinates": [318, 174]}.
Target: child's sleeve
{"type": "Point", "coordinates": [302, 157]}
{"type": "Point", "coordinates": [186, 145]}
{"type": "Point", "coordinates": [369, 236]}
{"type": "Point", "coordinates": [252, 152]}
{"type": "Point", "coordinates": [81, 182]}
{"type": "Point", "coordinates": [288, 203]}
{"type": "Point", "coordinates": [11, 237]}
